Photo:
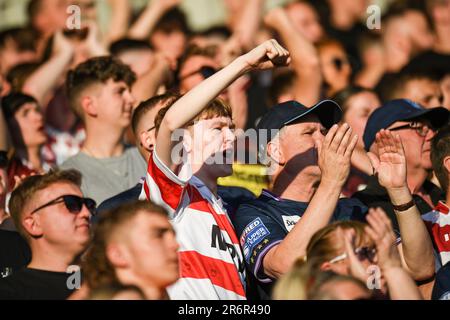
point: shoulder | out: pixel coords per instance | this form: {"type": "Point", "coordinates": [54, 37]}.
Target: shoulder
{"type": "Point", "coordinates": [123, 197]}
{"type": "Point", "coordinates": [75, 162]}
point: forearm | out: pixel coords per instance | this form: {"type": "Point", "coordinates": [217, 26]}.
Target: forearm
{"type": "Point", "coordinates": [400, 285]}
{"type": "Point", "coordinates": [147, 86]}
{"type": "Point", "coordinates": [144, 25]}
{"type": "Point", "coordinates": [118, 24]}
{"type": "Point", "coordinates": [305, 62]}
{"type": "Point", "coordinates": [191, 104]}
{"type": "Point", "coordinates": [318, 214]}
{"type": "Point", "coordinates": [46, 77]}
{"type": "Point", "coordinates": [417, 248]}
{"type": "Point", "coordinates": [249, 23]}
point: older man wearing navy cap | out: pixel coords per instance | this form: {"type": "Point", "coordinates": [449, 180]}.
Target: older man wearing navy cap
{"type": "Point", "coordinates": [309, 168]}
{"type": "Point", "coordinates": [416, 127]}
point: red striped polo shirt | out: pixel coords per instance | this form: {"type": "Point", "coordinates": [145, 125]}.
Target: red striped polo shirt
{"type": "Point", "coordinates": [211, 260]}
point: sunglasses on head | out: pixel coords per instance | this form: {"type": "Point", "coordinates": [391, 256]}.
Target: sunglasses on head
{"type": "Point", "coordinates": [362, 253]}
{"type": "Point", "coordinates": [73, 203]}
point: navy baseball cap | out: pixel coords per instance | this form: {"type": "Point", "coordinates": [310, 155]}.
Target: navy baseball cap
{"type": "Point", "coordinates": [401, 110]}
{"type": "Point", "coordinates": [292, 111]}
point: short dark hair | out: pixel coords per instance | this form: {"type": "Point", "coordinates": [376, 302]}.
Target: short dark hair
{"type": "Point", "coordinates": [342, 97]}
{"type": "Point", "coordinates": [147, 105]}
{"type": "Point", "coordinates": [282, 82]}
{"type": "Point", "coordinates": [13, 102]}
{"type": "Point", "coordinates": [391, 89]}
{"type": "Point", "coordinates": [174, 19]}
{"type": "Point", "coordinates": [33, 8]}
{"type": "Point", "coordinates": [93, 71]}
{"type": "Point", "coordinates": [97, 268]}
{"type": "Point", "coordinates": [18, 74]}
{"type": "Point", "coordinates": [32, 184]}
{"type": "Point", "coordinates": [216, 108]}
{"type": "Point", "coordinates": [23, 38]}
{"type": "Point", "coordinates": [440, 148]}
{"type": "Point", "coordinates": [125, 44]}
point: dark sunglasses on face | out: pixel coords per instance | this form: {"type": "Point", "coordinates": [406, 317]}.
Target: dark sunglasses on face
{"type": "Point", "coordinates": [420, 129]}
{"type": "Point", "coordinates": [205, 71]}
{"type": "Point", "coordinates": [73, 203]}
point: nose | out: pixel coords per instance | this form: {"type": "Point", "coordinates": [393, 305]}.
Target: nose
{"type": "Point", "coordinates": [172, 242]}
{"type": "Point", "coordinates": [130, 97]}
{"type": "Point", "coordinates": [229, 135]}
{"type": "Point", "coordinates": [84, 213]}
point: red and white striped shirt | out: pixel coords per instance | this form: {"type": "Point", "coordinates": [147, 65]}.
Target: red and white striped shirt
{"type": "Point", "coordinates": [211, 260]}
{"type": "Point", "coordinates": [438, 224]}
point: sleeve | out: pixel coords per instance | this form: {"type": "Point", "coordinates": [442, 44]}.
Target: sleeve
{"type": "Point", "coordinates": [162, 186]}
{"type": "Point", "coordinates": [257, 233]}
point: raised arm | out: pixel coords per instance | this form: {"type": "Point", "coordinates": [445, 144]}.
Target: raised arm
{"type": "Point", "coordinates": [400, 284]}
{"type": "Point", "coordinates": [390, 167]}
{"type": "Point", "coordinates": [249, 22]}
{"type": "Point", "coordinates": [148, 84]}
{"type": "Point", "coordinates": [120, 17]}
{"type": "Point", "coordinates": [266, 55]}
{"type": "Point", "coordinates": [42, 81]}
{"type": "Point", "coordinates": [334, 161]}
{"type": "Point", "coordinates": [305, 60]}
{"type": "Point", "coordinates": [146, 22]}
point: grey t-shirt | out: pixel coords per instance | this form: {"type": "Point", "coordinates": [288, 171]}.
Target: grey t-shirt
{"type": "Point", "coordinates": [104, 178]}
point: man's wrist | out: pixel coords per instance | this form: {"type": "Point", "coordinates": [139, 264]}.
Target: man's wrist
{"type": "Point", "coordinates": [400, 195]}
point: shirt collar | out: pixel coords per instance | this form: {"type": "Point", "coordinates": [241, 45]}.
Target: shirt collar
{"type": "Point", "coordinates": [442, 207]}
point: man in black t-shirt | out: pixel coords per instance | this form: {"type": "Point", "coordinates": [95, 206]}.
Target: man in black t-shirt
{"type": "Point", "coordinates": [49, 211]}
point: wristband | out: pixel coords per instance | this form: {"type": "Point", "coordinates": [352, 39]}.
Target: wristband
{"type": "Point", "coordinates": [405, 206]}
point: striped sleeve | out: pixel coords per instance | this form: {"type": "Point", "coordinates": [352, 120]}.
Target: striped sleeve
{"type": "Point", "coordinates": [162, 186]}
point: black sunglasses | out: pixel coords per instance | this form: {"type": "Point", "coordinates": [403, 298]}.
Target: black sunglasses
{"type": "Point", "coordinates": [205, 71]}
{"type": "Point", "coordinates": [368, 253]}
{"type": "Point", "coordinates": [73, 203]}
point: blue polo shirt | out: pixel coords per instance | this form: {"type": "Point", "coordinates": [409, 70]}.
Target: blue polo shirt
{"type": "Point", "coordinates": [263, 223]}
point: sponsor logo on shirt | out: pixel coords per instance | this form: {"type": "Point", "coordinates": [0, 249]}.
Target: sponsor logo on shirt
{"type": "Point", "coordinates": [252, 235]}
{"type": "Point", "coordinates": [290, 221]}
{"type": "Point", "coordinates": [445, 296]}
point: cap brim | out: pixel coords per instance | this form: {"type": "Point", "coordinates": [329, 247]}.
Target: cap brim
{"type": "Point", "coordinates": [328, 112]}
{"type": "Point", "coordinates": [438, 116]}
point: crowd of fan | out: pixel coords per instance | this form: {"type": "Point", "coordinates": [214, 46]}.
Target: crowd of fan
{"type": "Point", "coordinates": [126, 170]}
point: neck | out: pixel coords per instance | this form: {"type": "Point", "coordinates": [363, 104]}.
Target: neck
{"type": "Point", "coordinates": [299, 188]}
{"type": "Point", "coordinates": [211, 183]}
{"type": "Point", "coordinates": [442, 42]}
{"type": "Point", "coordinates": [151, 292]}
{"type": "Point", "coordinates": [415, 179]}
{"type": "Point", "coordinates": [32, 154]}
{"type": "Point", "coordinates": [103, 142]}
{"type": "Point", "coordinates": [49, 259]}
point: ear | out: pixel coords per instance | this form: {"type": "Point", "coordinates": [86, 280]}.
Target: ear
{"type": "Point", "coordinates": [187, 140]}
{"type": "Point", "coordinates": [89, 106]}
{"type": "Point", "coordinates": [31, 224]}
{"type": "Point", "coordinates": [117, 255]}
{"type": "Point", "coordinates": [146, 139]}
{"type": "Point", "coordinates": [326, 266]}
{"type": "Point", "coordinates": [275, 152]}
{"type": "Point", "coordinates": [446, 163]}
